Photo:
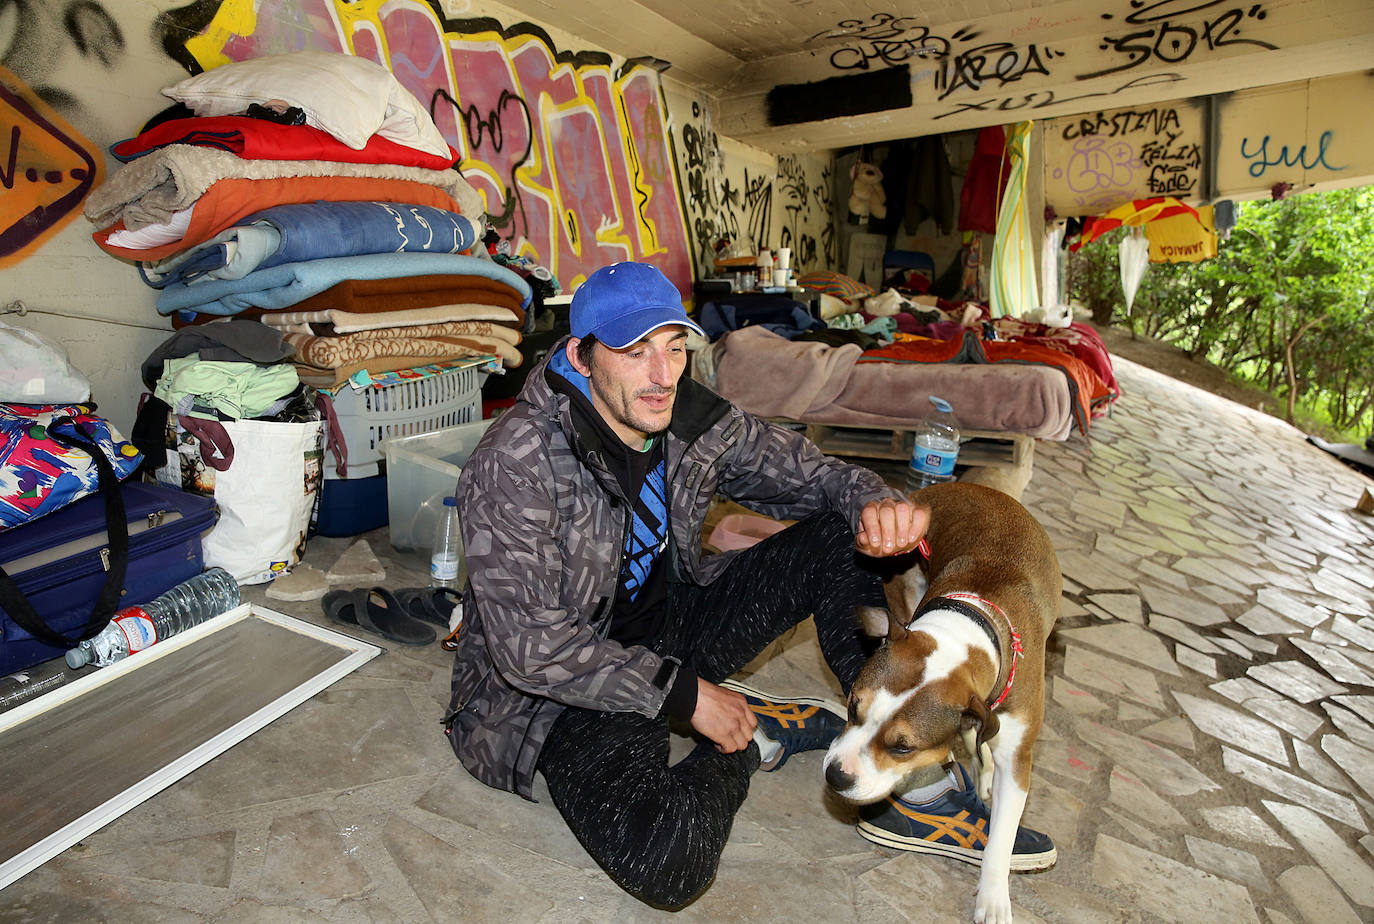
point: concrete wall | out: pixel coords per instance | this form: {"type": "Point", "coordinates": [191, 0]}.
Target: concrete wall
{"type": "Point", "coordinates": [1310, 134]}
{"type": "Point", "coordinates": [582, 158]}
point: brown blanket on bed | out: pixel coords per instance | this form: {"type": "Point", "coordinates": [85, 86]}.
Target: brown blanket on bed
{"type": "Point", "coordinates": [773, 377]}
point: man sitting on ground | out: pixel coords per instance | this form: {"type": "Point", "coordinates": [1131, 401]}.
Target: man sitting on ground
{"type": "Point", "coordinates": [592, 617]}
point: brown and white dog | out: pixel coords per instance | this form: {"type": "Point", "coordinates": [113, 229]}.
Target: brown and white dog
{"type": "Point", "coordinates": [964, 655]}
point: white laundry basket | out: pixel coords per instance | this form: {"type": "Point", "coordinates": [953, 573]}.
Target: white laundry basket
{"type": "Point", "coordinates": [367, 416]}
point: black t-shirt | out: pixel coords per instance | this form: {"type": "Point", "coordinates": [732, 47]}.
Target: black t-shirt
{"type": "Point", "coordinates": [642, 592]}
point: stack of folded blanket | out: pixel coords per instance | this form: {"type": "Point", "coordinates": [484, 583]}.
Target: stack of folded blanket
{"type": "Point", "coordinates": [313, 192]}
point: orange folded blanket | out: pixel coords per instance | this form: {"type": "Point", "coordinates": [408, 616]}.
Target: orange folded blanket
{"type": "Point", "coordinates": [226, 201]}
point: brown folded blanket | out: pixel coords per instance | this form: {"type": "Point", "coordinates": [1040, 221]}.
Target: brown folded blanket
{"type": "Point", "coordinates": [332, 378]}
{"type": "Point", "coordinates": [332, 352]}
{"type": "Point", "coordinates": [370, 296]}
{"type": "Point", "coordinates": [333, 321]}
{"type": "Point", "coordinates": [405, 292]}
{"type": "Point", "coordinates": [429, 331]}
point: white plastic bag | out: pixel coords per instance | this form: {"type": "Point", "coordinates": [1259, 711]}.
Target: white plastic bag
{"type": "Point", "coordinates": [35, 370]}
{"type": "Point", "coordinates": [1134, 253]}
{"type": "Point", "coordinates": [266, 496]}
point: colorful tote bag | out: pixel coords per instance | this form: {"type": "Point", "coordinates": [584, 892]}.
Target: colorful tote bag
{"type": "Point", "coordinates": [45, 462]}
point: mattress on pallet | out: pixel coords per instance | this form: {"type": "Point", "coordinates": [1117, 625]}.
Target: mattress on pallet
{"type": "Point", "coordinates": [770, 376]}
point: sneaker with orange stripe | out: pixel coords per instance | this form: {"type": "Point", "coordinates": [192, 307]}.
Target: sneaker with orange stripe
{"type": "Point", "coordinates": [954, 824]}
{"type": "Point", "coordinates": [799, 723]}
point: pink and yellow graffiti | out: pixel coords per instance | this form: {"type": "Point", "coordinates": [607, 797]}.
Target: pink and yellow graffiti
{"type": "Point", "coordinates": [573, 157]}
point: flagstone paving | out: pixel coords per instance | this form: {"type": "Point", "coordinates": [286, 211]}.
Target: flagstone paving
{"type": "Point", "coordinates": [1207, 754]}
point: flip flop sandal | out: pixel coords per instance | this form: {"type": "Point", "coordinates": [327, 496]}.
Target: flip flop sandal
{"type": "Point", "coordinates": [429, 604]}
{"type": "Point", "coordinates": [376, 610]}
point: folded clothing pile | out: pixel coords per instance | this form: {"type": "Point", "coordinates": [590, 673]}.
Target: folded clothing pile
{"type": "Point", "coordinates": [313, 192]}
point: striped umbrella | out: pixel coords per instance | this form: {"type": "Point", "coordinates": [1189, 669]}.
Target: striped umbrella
{"type": "Point", "coordinates": [1137, 212]}
{"type": "Point", "coordinates": [1013, 287]}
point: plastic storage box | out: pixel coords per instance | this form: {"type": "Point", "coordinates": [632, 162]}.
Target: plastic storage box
{"type": "Point", "coordinates": [370, 415]}
{"type": "Point", "coordinates": [421, 471]}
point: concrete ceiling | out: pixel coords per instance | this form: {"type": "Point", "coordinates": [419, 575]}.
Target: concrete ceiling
{"type": "Point", "coordinates": [929, 66]}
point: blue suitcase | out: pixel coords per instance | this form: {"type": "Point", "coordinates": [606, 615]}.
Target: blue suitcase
{"type": "Point", "coordinates": [60, 563]}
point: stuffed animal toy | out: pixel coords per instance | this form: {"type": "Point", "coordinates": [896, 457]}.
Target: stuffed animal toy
{"type": "Point", "coordinates": [866, 196]}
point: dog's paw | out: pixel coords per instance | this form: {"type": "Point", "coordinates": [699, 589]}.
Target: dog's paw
{"type": "Point", "coordinates": [993, 905]}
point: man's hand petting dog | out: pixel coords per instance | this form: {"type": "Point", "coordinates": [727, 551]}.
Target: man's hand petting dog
{"type": "Point", "coordinates": [723, 716]}
{"type": "Point", "coordinates": [890, 527]}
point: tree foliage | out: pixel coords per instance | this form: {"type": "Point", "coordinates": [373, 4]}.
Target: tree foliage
{"type": "Point", "coordinates": [1287, 303]}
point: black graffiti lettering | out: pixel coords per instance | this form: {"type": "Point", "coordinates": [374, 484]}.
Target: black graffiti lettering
{"type": "Point", "coordinates": [1086, 126]}
{"type": "Point", "coordinates": [1175, 43]}
{"type": "Point", "coordinates": [1155, 121]}
{"type": "Point", "coordinates": [1143, 13]}
{"type": "Point", "coordinates": [7, 174]}
{"type": "Point", "coordinates": [970, 68]}
{"type": "Point", "coordinates": [1009, 104]}
{"type": "Point", "coordinates": [1220, 28]}
{"type": "Point", "coordinates": [890, 51]}
{"type": "Point", "coordinates": [477, 127]}
{"type": "Point", "coordinates": [1050, 99]}
{"type": "Point", "coordinates": [1135, 46]}
{"type": "Point", "coordinates": [1168, 40]}
{"type": "Point", "coordinates": [1168, 179]}
{"type": "Point", "coordinates": [1184, 156]}
{"type": "Point", "coordinates": [691, 142]}
{"type": "Point", "coordinates": [882, 26]}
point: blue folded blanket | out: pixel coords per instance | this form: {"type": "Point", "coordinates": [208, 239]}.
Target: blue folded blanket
{"type": "Point", "coordinates": [314, 231]}
{"type": "Point", "coordinates": [282, 286]}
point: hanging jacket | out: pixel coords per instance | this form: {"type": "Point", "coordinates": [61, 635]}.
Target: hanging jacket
{"type": "Point", "coordinates": [930, 190]}
{"type": "Point", "coordinates": [544, 524]}
{"type": "Point", "coordinates": [987, 175]}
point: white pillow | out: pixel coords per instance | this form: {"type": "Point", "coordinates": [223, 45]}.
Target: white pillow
{"type": "Point", "coordinates": [149, 236]}
{"type": "Point", "coordinates": [349, 97]}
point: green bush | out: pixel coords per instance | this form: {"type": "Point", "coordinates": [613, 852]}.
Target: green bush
{"type": "Point", "coordinates": [1287, 303]}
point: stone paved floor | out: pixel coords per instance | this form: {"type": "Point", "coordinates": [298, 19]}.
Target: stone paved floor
{"type": "Point", "coordinates": [1208, 751]}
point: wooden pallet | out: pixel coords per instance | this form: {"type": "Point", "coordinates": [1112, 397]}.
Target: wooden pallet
{"type": "Point", "coordinates": [976, 447]}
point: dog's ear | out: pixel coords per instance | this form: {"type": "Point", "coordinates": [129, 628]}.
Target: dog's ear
{"type": "Point", "coordinates": [896, 632]}
{"type": "Point", "coordinates": [980, 716]}
{"type": "Point", "coordinates": [877, 622]}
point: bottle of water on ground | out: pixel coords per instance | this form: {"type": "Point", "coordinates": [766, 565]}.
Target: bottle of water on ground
{"type": "Point", "coordinates": [936, 449]}
{"type": "Point", "coordinates": [137, 627]}
{"type": "Point", "coordinates": [446, 558]}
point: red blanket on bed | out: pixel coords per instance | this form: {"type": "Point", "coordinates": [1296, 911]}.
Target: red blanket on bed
{"type": "Point", "coordinates": [1087, 388]}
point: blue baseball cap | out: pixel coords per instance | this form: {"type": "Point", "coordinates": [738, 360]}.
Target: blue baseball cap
{"type": "Point", "coordinates": [623, 303]}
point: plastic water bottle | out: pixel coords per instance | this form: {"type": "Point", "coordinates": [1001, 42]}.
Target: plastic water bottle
{"type": "Point", "coordinates": [936, 449]}
{"type": "Point", "coordinates": [446, 559]}
{"type": "Point", "coordinates": [135, 628]}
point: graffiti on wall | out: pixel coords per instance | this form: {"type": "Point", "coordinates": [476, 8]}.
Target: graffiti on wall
{"type": "Point", "coordinates": [1261, 153]}
{"type": "Point", "coordinates": [46, 169]}
{"type": "Point", "coordinates": [572, 154]}
{"type": "Point", "coordinates": [1100, 160]}
{"type": "Point", "coordinates": [784, 206]}
{"type": "Point", "coordinates": [968, 61]}
{"type": "Point", "coordinates": [46, 166]}
{"type": "Point", "coordinates": [964, 59]}
{"type": "Point", "coordinates": [805, 199]}
{"type": "Point", "coordinates": [1159, 32]}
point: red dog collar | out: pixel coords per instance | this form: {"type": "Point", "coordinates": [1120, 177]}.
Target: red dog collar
{"type": "Point", "coordinates": [1018, 651]}
{"type": "Point", "coordinates": [977, 611]}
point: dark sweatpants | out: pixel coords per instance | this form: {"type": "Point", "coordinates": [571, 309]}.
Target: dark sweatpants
{"type": "Point", "coordinates": [657, 830]}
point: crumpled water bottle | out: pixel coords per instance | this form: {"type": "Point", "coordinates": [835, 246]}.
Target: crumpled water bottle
{"type": "Point", "coordinates": [137, 627]}
{"type": "Point", "coordinates": [936, 449]}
